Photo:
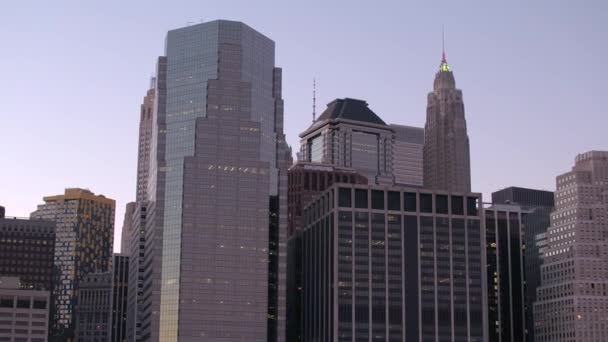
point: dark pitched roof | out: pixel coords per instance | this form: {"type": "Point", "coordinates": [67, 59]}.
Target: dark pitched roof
{"type": "Point", "coordinates": [350, 109]}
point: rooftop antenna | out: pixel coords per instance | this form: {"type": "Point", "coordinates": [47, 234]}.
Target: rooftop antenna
{"type": "Point", "coordinates": [314, 100]}
{"type": "Point", "coordinates": [442, 43]}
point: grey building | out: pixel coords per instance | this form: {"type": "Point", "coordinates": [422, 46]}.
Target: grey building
{"type": "Point", "coordinates": [572, 301]}
{"type": "Point", "coordinates": [447, 163]}
{"type": "Point", "coordinates": [2, 211]}
{"type": "Point", "coordinates": [349, 134]}
{"type": "Point", "coordinates": [538, 205]}
{"type": "Point", "coordinates": [84, 234]}
{"type": "Point", "coordinates": [24, 314]}
{"type": "Point", "coordinates": [94, 306]}
{"type": "Point", "coordinates": [217, 212]}
{"type": "Point", "coordinates": [389, 263]}
{"type": "Point", "coordinates": [27, 251]}
{"type": "Point", "coordinates": [135, 249]}
{"type": "Point", "coordinates": [507, 314]}
{"type": "Point", "coordinates": [408, 155]}
{"type": "Point", "coordinates": [118, 297]}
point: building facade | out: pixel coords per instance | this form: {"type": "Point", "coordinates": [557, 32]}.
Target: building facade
{"type": "Point", "coordinates": [217, 223]}
{"type": "Point", "coordinates": [24, 314]}
{"type": "Point", "coordinates": [408, 155]}
{"type": "Point", "coordinates": [447, 163]}
{"type": "Point", "coordinates": [119, 298]}
{"type": "Point", "coordinates": [349, 134]}
{"type": "Point", "coordinates": [27, 249]}
{"type": "Point", "coordinates": [84, 233]}
{"type": "Point", "coordinates": [94, 306]}
{"type": "Point", "coordinates": [507, 314]}
{"type": "Point", "coordinates": [538, 205]}
{"type": "Point", "coordinates": [135, 249]}
{"type": "Point", "coordinates": [393, 264]}
{"type": "Point", "coordinates": [572, 301]}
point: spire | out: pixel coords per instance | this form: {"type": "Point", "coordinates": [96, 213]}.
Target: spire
{"type": "Point", "coordinates": [314, 100]}
{"type": "Point", "coordinates": [444, 63]}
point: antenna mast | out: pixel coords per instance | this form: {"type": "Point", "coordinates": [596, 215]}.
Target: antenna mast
{"type": "Point", "coordinates": [314, 100]}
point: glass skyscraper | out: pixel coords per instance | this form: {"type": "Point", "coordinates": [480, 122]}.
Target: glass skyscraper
{"type": "Point", "coordinates": [217, 189]}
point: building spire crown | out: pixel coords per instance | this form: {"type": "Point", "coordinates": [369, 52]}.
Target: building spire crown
{"type": "Point", "coordinates": [444, 63]}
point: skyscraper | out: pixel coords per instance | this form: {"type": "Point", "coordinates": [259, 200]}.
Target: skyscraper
{"type": "Point", "coordinates": [27, 251]}
{"type": "Point", "coordinates": [538, 205]}
{"type": "Point", "coordinates": [349, 134]}
{"type": "Point", "coordinates": [93, 314]}
{"type": "Point", "coordinates": [572, 302]}
{"type": "Point", "coordinates": [446, 143]}
{"type": "Point", "coordinates": [118, 297]}
{"type": "Point", "coordinates": [215, 234]}
{"type": "Point", "coordinates": [408, 155]}
{"type": "Point", "coordinates": [390, 263]}
{"type": "Point", "coordinates": [84, 234]}
{"type": "Point", "coordinates": [144, 141]}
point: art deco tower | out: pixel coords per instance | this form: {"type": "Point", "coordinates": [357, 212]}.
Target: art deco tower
{"type": "Point", "coordinates": [446, 145]}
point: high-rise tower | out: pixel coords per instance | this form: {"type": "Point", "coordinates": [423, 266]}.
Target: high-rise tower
{"type": "Point", "coordinates": [446, 143]}
{"type": "Point", "coordinates": [572, 301]}
{"type": "Point", "coordinates": [217, 215]}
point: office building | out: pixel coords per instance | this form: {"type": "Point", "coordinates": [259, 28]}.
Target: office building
{"type": "Point", "coordinates": [2, 211]}
{"type": "Point", "coordinates": [135, 250]}
{"type": "Point", "coordinates": [93, 308]}
{"type": "Point", "coordinates": [27, 249]}
{"type": "Point", "coordinates": [349, 134]}
{"type": "Point", "coordinates": [408, 155]}
{"type": "Point", "coordinates": [216, 227]}
{"type": "Point", "coordinates": [538, 205]}
{"type": "Point", "coordinates": [146, 125]}
{"type": "Point", "coordinates": [389, 263]}
{"type": "Point", "coordinates": [126, 227]}
{"type": "Point", "coordinates": [84, 232]}
{"type": "Point", "coordinates": [572, 301]}
{"type": "Point", "coordinates": [505, 247]}
{"type": "Point", "coordinates": [307, 180]}
{"type": "Point", "coordinates": [24, 314]}
{"type": "Point", "coordinates": [118, 297]}
{"type": "Point", "coordinates": [446, 143]}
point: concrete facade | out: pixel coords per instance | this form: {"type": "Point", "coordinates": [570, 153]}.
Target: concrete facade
{"type": "Point", "coordinates": [389, 263]}
{"type": "Point", "coordinates": [447, 163]}
{"type": "Point", "coordinates": [572, 301]}
{"type": "Point", "coordinates": [24, 314]}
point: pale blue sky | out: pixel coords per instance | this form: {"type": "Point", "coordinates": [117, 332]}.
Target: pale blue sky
{"type": "Point", "coordinates": [74, 73]}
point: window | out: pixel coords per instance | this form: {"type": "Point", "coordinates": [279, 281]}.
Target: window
{"type": "Point", "coordinates": [472, 206]}
{"type": "Point", "coordinates": [377, 199]}
{"type": "Point", "coordinates": [344, 197]}
{"type": "Point", "coordinates": [39, 304]}
{"type": "Point", "coordinates": [6, 302]}
{"type": "Point", "coordinates": [409, 198]}
{"type": "Point", "coordinates": [426, 203]}
{"type": "Point", "coordinates": [394, 200]}
{"type": "Point", "coordinates": [360, 198]}
{"type": "Point", "coordinates": [457, 205]}
{"type": "Point", "coordinates": [441, 204]}
{"type": "Point", "coordinates": [23, 303]}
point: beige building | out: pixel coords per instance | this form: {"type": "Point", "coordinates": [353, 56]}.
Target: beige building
{"type": "Point", "coordinates": [24, 314]}
{"type": "Point", "coordinates": [447, 163]}
{"type": "Point", "coordinates": [572, 301]}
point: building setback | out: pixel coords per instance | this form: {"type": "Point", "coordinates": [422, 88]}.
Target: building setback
{"type": "Point", "coordinates": [94, 305]}
{"type": "Point", "coordinates": [393, 264]}
{"type": "Point", "coordinates": [217, 223]}
{"type": "Point", "coordinates": [24, 314]}
{"type": "Point", "coordinates": [84, 234]}
{"type": "Point", "coordinates": [447, 163]}
{"type": "Point", "coordinates": [408, 155]}
{"type": "Point", "coordinates": [27, 249]}
{"type": "Point", "coordinates": [538, 205]}
{"type": "Point", "coordinates": [572, 301]}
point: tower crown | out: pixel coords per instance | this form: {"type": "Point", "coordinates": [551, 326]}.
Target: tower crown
{"type": "Point", "coordinates": [444, 64]}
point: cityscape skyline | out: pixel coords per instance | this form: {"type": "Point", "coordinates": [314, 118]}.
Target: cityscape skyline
{"type": "Point", "coordinates": [490, 118]}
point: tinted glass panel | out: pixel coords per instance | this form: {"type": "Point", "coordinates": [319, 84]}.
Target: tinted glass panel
{"type": "Point", "coordinates": [377, 199]}
{"type": "Point", "coordinates": [23, 303]}
{"type": "Point", "coordinates": [409, 198]}
{"type": "Point", "coordinates": [457, 205]}
{"type": "Point", "coordinates": [426, 203]}
{"type": "Point", "coordinates": [441, 202]}
{"type": "Point", "coordinates": [360, 198]}
{"type": "Point", "coordinates": [472, 206]}
{"type": "Point", "coordinates": [344, 199]}
{"type": "Point", "coordinates": [394, 200]}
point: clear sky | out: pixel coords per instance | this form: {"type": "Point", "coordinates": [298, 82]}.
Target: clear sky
{"type": "Point", "coordinates": [73, 74]}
